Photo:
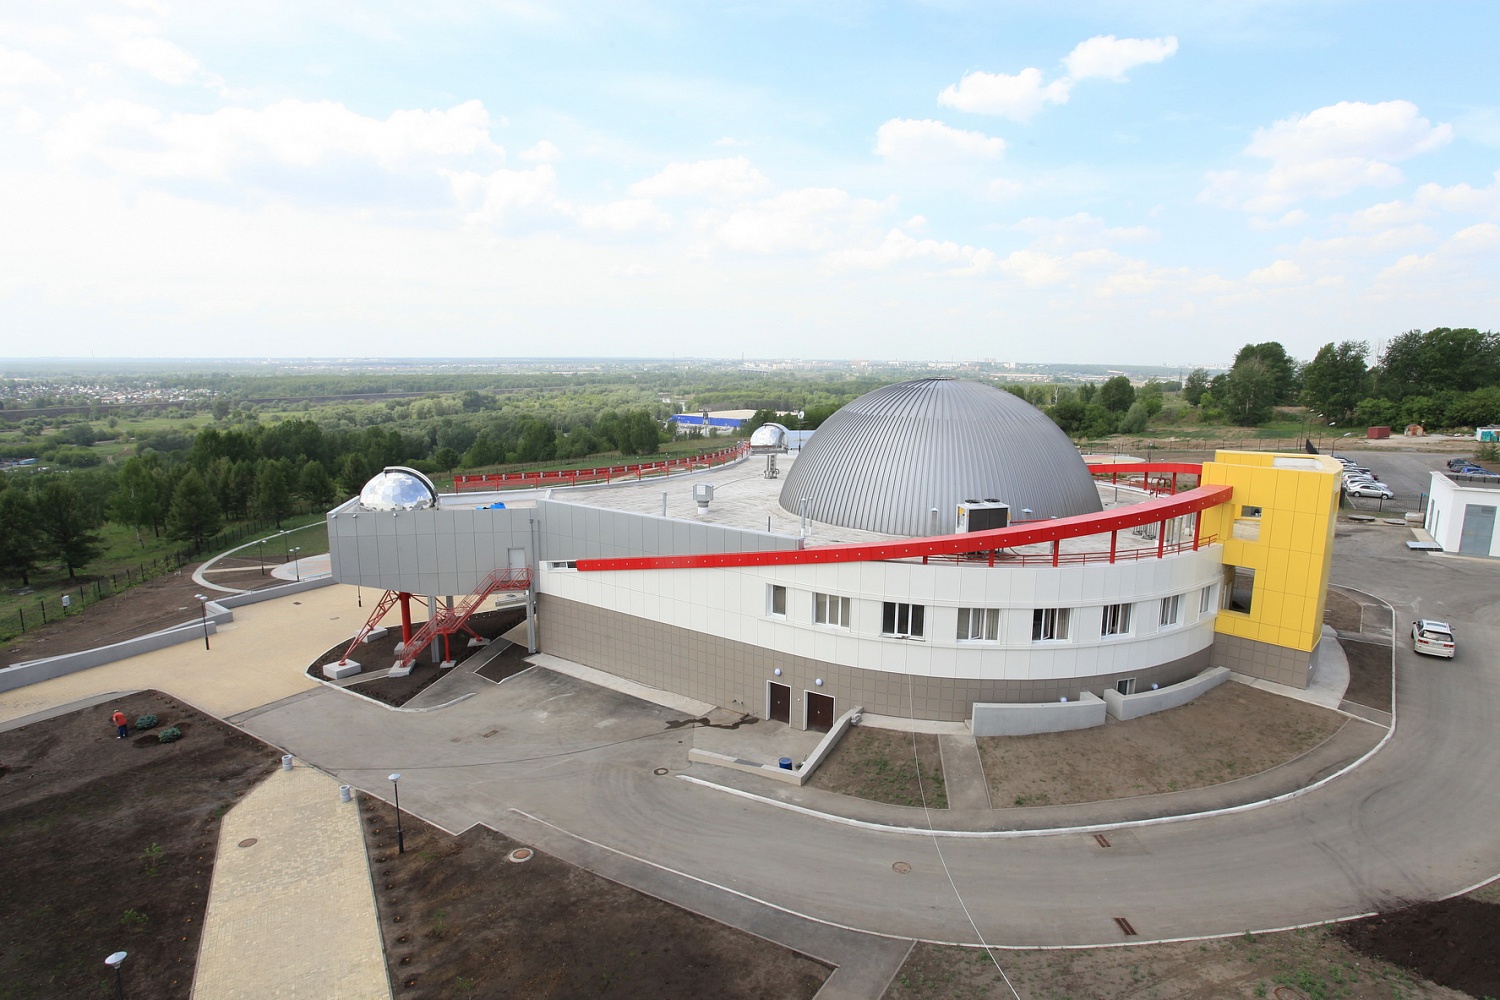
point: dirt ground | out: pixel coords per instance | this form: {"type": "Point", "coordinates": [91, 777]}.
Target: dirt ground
{"type": "Point", "coordinates": [1312, 964]}
{"type": "Point", "coordinates": [381, 653]}
{"type": "Point", "coordinates": [110, 845]}
{"type": "Point", "coordinates": [1369, 674]}
{"type": "Point", "coordinates": [1343, 612]}
{"type": "Point", "coordinates": [460, 919]}
{"type": "Point", "coordinates": [156, 604]}
{"type": "Point", "coordinates": [877, 764]}
{"type": "Point", "coordinates": [1231, 732]}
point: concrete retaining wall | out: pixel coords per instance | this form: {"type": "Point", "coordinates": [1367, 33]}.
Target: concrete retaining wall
{"type": "Point", "coordinates": [219, 613]}
{"type": "Point", "coordinates": [797, 776]}
{"type": "Point", "coordinates": [1025, 719]}
{"type": "Point", "coordinates": [1133, 706]}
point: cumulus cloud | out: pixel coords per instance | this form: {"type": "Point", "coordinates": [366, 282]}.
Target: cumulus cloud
{"type": "Point", "coordinates": [1016, 96]}
{"type": "Point", "coordinates": [1456, 254]}
{"type": "Point", "coordinates": [1327, 153]}
{"type": "Point", "coordinates": [1110, 58]}
{"type": "Point", "coordinates": [1462, 198]}
{"type": "Point", "coordinates": [140, 140]}
{"type": "Point", "coordinates": [542, 152]}
{"type": "Point", "coordinates": [804, 220]}
{"type": "Point", "coordinates": [729, 178]}
{"type": "Point", "coordinates": [897, 248]}
{"type": "Point", "coordinates": [1019, 96]}
{"type": "Point", "coordinates": [1081, 229]}
{"type": "Point", "coordinates": [1281, 272]}
{"type": "Point", "coordinates": [138, 47]}
{"type": "Point", "coordinates": [22, 69]}
{"type": "Point", "coordinates": [505, 197]}
{"type": "Point", "coordinates": [927, 140]}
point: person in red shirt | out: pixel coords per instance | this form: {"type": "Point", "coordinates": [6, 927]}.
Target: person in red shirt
{"type": "Point", "coordinates": [122, 724]}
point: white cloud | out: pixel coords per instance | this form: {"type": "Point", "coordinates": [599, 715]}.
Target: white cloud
{"type": "Point", "coordinates": [897, 247]}
{"type": "Point", "coordinates": [1281, 272]}
{"type": "Point", "coordinates": [1110, 58]}
{"type": "Point", "coordinates": [505, 197]}
{"type": "Point", "coordinates": [799, 221]}
{"type": "Point", "coordinates": [1295, 217]}
{"type": "Point", "coordinates": [1017, 97]}
{"type": "Point", "coordinates": [1327, 153]}
{"type": "Point", "coordinates": [542, 152]}
{"type": "Point", "coordinates": [139, 140]}
{"type": "Point", "coordinates": [733, 178]}
{"type": "Point", "coordinates": [1081, 229]}
{"type": "Point", "coordinates": [22, 69]}
{"type": "Point", "coordinates": [925, 140]}
{"type": "Point", "coordinates": [1462, 198]}
{"type": "Point", "coordinates": [1035, 268]}
{"type": "Point", "coordinates": [623, 216]}
{"type": "Point", "coordinates": [159, 58]}
{"type": "Point", "coordinates": [1455, 255]}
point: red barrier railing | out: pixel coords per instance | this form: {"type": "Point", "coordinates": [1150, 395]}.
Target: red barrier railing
{"type": "Point", "coordinates": [1008, 558]}
{"type": "Point", "coordinates": [576, 477]}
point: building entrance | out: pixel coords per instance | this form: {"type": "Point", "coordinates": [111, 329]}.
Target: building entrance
{"type": "Point", "coordinates": [780, 699]}
{"type": "Point", "coordinates": [819, 712]}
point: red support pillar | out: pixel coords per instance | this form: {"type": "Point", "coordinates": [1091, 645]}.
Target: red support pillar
{"type": "Point", "coordinates": [1113, 537]}
{"type": "Point", "coordinates": [405, 617]}
{"type": "Point", "coordinates": [1197, 527]}
{"type": "Point", "coordinates": [1056, 546]}
{"type": "Point", "coordinates": [1174, 484]}
{"type": "Point", "coordinates": [1161, 538]}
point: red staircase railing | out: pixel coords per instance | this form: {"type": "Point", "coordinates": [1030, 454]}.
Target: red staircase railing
{"type": "Point", "coordinates": [446, 621]}
{"type": "Point", "coordinates": [386, 602]}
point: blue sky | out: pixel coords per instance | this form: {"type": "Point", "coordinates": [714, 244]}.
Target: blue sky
{"type": "Point", "coordinates": [1101, 182]}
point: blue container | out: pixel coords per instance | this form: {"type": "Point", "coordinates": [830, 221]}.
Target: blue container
{"type": "Point", "coordinates": [786, 763]}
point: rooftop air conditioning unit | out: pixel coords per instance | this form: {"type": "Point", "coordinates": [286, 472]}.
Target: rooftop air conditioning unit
{"type": "Point", "coordinates": [981, 515]}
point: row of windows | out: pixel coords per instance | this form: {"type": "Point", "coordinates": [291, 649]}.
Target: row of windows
{"type": "Point", "coordinates": [908, 621]}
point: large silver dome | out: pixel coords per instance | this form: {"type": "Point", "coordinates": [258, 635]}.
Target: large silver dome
{"type": "Point", "coordinates": [398, 488]}
{"type": "Point", "coordinates": [884, 461]}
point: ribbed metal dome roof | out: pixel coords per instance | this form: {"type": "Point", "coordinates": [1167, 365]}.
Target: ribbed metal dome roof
{"type": "Point", "coordinates": [884, 461]}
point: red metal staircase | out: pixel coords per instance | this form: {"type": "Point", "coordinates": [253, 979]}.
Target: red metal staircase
{"type": "Point", "coordinates": [386, 602]}
{"type": "Point", "coordinates": [446, 621]}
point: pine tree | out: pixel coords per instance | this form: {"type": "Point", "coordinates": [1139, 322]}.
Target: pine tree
{"type": "Point", "coordinates": [69, 523]}
{"type": "Point", "coordinates": [18, 535]}
{"type": "Point", "coordinates": [194, 514]}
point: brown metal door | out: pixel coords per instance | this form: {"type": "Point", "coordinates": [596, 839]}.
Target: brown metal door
{"type": "Point", "coordinates": [819, 712]}
{"type": "Point", "coordinates": [781, 703]}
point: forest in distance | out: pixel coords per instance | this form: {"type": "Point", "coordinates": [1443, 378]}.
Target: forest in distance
{"type": "Point", "coordinates": [179, 455]}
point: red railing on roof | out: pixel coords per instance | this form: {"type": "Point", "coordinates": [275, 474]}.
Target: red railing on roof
{"type": "Point", "coordinates": [1153, 477]}
{"type": "Point", "coordinates": [604, 474]}
{"type": "Point", "coordinates": [1156, 511]}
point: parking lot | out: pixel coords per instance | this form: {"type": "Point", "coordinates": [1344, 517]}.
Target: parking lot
{"type": "Point", "coordinates": [1406, 473]}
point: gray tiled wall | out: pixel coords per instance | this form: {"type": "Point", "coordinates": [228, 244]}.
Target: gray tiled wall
{"type": "Point", "coordinates": [734, 674]}
{"type": "Point", "coordinates": [1261, 659]}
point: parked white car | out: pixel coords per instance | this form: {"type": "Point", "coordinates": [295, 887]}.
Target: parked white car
{"type": "Point", "coordinates": [1370, 489]}
{"type": "Point", "coordinates": [1432, 638]}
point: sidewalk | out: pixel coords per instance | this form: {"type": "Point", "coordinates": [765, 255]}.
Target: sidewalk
{"type": "Point", "coordinates": [292, 914]}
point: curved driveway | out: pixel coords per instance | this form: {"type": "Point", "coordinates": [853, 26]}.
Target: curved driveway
{"type": "Point", "coordinates": [1420, 819]}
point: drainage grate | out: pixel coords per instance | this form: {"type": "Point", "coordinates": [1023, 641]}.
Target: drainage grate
{"type": "Point", "coordinates": [1101, 839]}
{"type": "Point", "coordinates": [1124, 924]}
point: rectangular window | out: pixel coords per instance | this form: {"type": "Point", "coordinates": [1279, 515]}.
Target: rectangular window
{"type": "Point", "coordinates": [1169, 609]}
{"type": "Point", "coordinates": [1050, 624]}
{"type": "Point", "coordinates": [902, 620]}
{"type": "Point", "coordinates": [830, 609]}
{"type": "Point", "coordinates": [1239, 588]}
{"type": "Point", "coordinates": [978, 624]}
{"type": "Point", "coordinates": [776, 601]}
{"type": "Point", "coordinates": [1116, 620]}
{"type": "Point", "coordinates": [1206, 599]}
{"type": "Point", "coordinates": [1126, 685]}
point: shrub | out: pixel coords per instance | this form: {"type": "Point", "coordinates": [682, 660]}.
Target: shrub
{"type": "Point", "coordinates": [146, 722]}
{"type": "Point", "coordinates": [171, 735]}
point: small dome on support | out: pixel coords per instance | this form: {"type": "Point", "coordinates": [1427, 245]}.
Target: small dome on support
{"type": "Point", "coordinates": [398, 488]}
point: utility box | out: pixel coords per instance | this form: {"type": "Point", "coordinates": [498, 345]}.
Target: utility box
{"type": "Point", "coordinates": [703, 495]}
{"type": "Point", "coordinates": [981, 515]}
{"type": "Point", "coordinates": [1378, 432]}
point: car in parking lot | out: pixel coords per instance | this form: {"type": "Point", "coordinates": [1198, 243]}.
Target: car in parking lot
{"type": "Point", "coordinates": [1432, 638]}
{"type": "Point", "coordinates": [1458, 463]}
{"type": "Point", "coordinates": [1370, 489]}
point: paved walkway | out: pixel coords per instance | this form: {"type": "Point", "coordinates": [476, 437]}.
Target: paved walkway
{"type": "Point", "coordinates": [293, 914]}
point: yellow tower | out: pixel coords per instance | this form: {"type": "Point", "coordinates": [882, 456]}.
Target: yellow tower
{"type": "Point", "coordinates": [1278, 547]}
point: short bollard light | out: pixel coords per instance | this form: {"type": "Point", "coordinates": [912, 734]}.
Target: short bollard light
{"type": "Point", "coordinates": [346, 794]}
{"type": "Point", "coordinates": [286, 762]}
{"type": "Point", "coordinates": [114, 962]}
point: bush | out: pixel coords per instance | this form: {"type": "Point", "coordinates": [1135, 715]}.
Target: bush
{"type": "Point", "coordinates": [171, 735]}
{"type": "Point", "coordinates": [146, 722]}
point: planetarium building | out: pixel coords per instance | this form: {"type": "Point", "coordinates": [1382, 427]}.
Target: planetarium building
{"type": "Point", "coordinates": [937, 550]}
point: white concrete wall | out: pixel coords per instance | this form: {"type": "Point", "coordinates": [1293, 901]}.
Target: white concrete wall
{"type": "Point", "coordinates": [1027, 719]}
{"type": "Point", "coordinates": [1447, 504]}
{"type": "Point", "coordinates": [734, 603]}
{"type": "Point", "coordinates": [1133, 706]}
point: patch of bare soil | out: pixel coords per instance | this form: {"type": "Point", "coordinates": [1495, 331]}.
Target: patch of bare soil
{"type": "Point", "coordinates": [1369, 673]}
{"type": "Point", "coordinates": [1343, 612]}
{"type": "Point", "coordinates": [1451, 942]}
{"type": "Point", "coordinates": [1313, 964]}
{"type": "Point", "coordinates": [879, 764]}
{"type": "Point", "coordinates": [507, 663]}
{"type": "Point", "coordinates": [381, 653]}
{"type": "Point", "coordinates": [1230, 732]}
{"type": "Point", "coordinates": [460, 919]}
{"type": "Point", "coordinates": [158, 603]}
{"type": "Point", "coordinates": [109, 845]}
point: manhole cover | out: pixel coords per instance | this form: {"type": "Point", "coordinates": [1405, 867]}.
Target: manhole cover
{"type": "Point", "coordinates": [660, 770]}
{"type": "Point", "coordinates": [519, 855]}
{"type": "Point", "coordinates": [900, 867]}
{"type": "Point", "coordinates": [249, 841]}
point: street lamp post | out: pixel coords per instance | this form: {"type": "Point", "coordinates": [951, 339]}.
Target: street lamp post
{"type": "Point", "coordinates": [396, 788]}
{"type": "Point", "coordinates": [296, 561]}
{"type": "Point", "coordinates": [114, 962]}
{"type": "Point", "coordinates": [261, 545]}
{"type": "Point", "coordinates": [203, 615]}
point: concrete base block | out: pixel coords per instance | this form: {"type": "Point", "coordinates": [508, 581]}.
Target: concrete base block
{"type": "Point", "coordinates": [377, 633]}
{"type": "Point", "coordinates": [448, 664]}
{"type": "Point", "coordinates": [339, 669]}
{"type": "Point", "coordinates": [400, 648]}
{"type": "Point", "coordinates": [399, 671]}
{"type": "Point", "coordinates": [477, 643]}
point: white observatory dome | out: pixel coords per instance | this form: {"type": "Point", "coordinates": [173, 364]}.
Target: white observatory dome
{"type": "Point", "coordinates": [398, 488]}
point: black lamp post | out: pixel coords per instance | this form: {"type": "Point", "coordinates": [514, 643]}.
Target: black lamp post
{"type": "Point", "coordinates": [261, 546]}
{"type": "Point", "coordinates": [114, 962]}
{"type": "Point", "coordinates": [396, 787]}
{"type": "Point", "coordinates": [203, 614]}
{"type": "Point", "coordinates": [296, 561]}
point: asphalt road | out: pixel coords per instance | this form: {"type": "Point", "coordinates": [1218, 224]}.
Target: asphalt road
{"type": "Point", "coordinates": [1417, 821]}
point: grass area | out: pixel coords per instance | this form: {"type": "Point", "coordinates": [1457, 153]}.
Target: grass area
{"type": "Point", "coordinates": [882, 765]}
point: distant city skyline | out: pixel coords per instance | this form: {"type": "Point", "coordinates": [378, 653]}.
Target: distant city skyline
{"type": "Point", "coordinates": [1085, 180]}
